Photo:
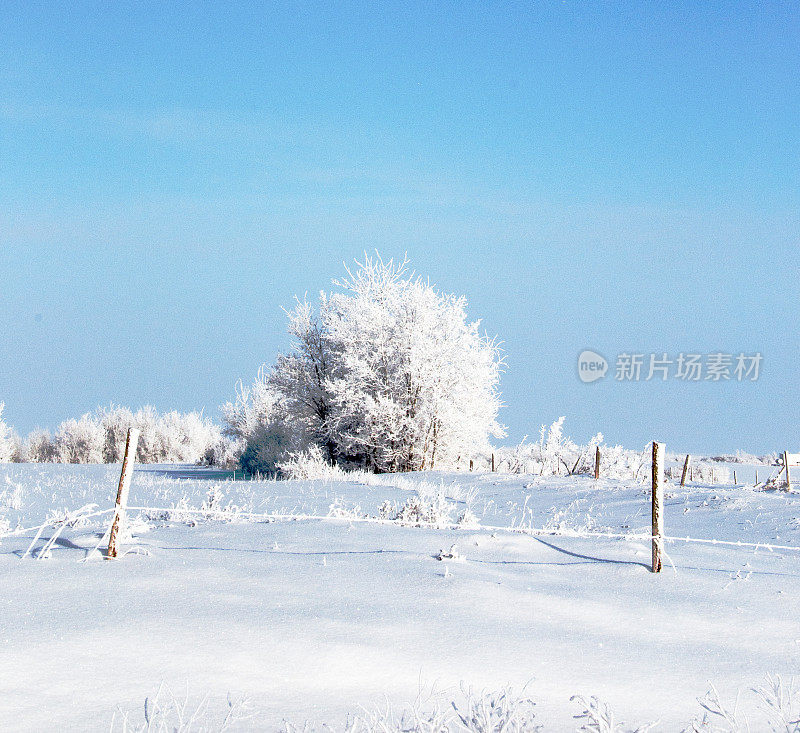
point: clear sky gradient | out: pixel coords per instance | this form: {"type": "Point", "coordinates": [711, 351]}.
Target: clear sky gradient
{"type": "Point", "coordinates": [622, 177]}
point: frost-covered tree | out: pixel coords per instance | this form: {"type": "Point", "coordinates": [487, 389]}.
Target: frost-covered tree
{"type": "Point", "coordinates": [115, 422]}
{"type": "Point", "coordinates": [149, 446]}
{"type": "Point", "coordinates": [38, 447]}
{"type": "Point", "coordinates": [8, 443]}
{"type": "Point", "coordinates": [387, 374]}
{"type": "Point", "coordinates": [416, 382]}
{"type": "Point", "coordinates": [80, 441]}
{"type": "Point", "coordinates": [224, 452]}
{"type": "Point", "coordinates": [185, 437]}
{"type": "Point", "coordinates": [100, 437]}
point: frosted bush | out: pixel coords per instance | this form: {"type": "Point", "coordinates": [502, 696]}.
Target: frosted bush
{"type": "Point", "coordinates": [718, 717]}
{"type": "Point", "coordinates": [173, 437]}
{"type": "Point", "coordinates": [424, 509]}
{"type": "Point", "coordinates": [254, 406]}
{"type": "Point", "coordinates": [339, 510]}
{"type": "Point", "coordinates": [38, 447]}
{"type": "Point", "coordinates": [224, 452]}
{"type": "Point", "coordinates": [100, 437]}
{"type": "Point", "coordinates": [269, 447]}
{"type": "Point", "coordinates": [17, 448]}
{"type": "Point", "coordinates": [780, 701]}
{"type": "Point", "coordinates": [79, 441]}
{"type": "Point", "coordinates": [186, 437]}
{"type": "Point", "coordinates": [180, 511]}
{"type": "Point", "coordinates": [769, 459]}
{"type": "Point", "coordinates": [558, 455]}
{"type": "Point", "coordinates": [310, 464]}
{"type": "Point", "coordinates": [621, 463]}
{"type": "Point", "coordinates": [468, 520]}
{"type": "Point", "coordinates": [256, 421]}
{"type": "Point", "coordinates": [115, 421]}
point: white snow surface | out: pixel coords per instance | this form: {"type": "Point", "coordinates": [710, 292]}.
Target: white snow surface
{"type": "Point", "coordinates": [311, 619]}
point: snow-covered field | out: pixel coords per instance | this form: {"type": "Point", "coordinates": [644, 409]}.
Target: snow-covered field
{"type": "Point", "coordinates": [311, 619]}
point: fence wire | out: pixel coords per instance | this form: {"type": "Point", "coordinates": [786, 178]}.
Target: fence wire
{"type": "Point", "coordinates": [60, 523]}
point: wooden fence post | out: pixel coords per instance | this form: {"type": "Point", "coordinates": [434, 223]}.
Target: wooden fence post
{"type": "Point", "coordinates": [597, 462]}
{"type": "Point", "coordinates": [122, 492]}
{"type": "Point", "coordinates": [685, 469]}
{"type": "Point", "coordinates": [734, 477]}
{"type": "Point", "coordinates": [492, 461]}
{"type": "Point", "coordinates": [786, 466]}
{"type": "Point", "coordinates": [658, 501]}
{"type": "Point", "coordinates": [470, 464]}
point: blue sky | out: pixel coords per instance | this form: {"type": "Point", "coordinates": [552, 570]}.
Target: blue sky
{"type": "Point", "coordinates": [619, 177]}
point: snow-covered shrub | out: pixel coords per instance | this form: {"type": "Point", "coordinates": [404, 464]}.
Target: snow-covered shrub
{"type": "Point", "coordinates": [100, 437]}
{"type": "Point", "coordinates": [224, 452]}
{"type": "Point", "coordinates": [256, 422]}
{"type": "Point", "coordinates": [555, 449]}
{"type": "Point", "coordinates": [148, 450]}
{"type": "Point", "coordinates": [18, 448]}
{"type": "Point", "coordinates": [116, 421]}
{"type": "Point", "coordinates": [339, 509]}
{"type": "Point", "coordinates": [80, 441]}
{"type": "Point", "coordinates": [172, 437]}
{"type": "Point", "coordinates": [617, 462]}
{"type": "Point", "coordinates": [7, 441]}
{"type": "Point", "coordinates": [387, 375]}
{"type": "Point", "coordinates": [769, 459]}
{"type": "Point", "coordinates": [468, 520]}
{"type": "Point", "coordinates": [425, 508]}
{"type": "Point", "coordinates": [558, 455]}
{"type": "Point", "coordinates": [186, 437]}
{"type": "Point", "coordinates": [268, 450]}
{"type": "Point", "coordinates": [216, 507]}
{"type": "Point", "coordinates": [38, 447]}
{"type": "Point", "coordinates": [310, 464]}
{"type": "Point", "coordinates": [717, 716]}
{"type": "Point", "coordinates": [554, 454]}
{"type": "Point", "coordinates": [258, 404]}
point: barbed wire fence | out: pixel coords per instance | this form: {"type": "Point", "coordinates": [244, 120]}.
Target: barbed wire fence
{"type": "Point", "coordinates": [84, 514]}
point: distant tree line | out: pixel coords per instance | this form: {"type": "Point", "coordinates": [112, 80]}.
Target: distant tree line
{"type": "Point", "coordinates": [99, 437]}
